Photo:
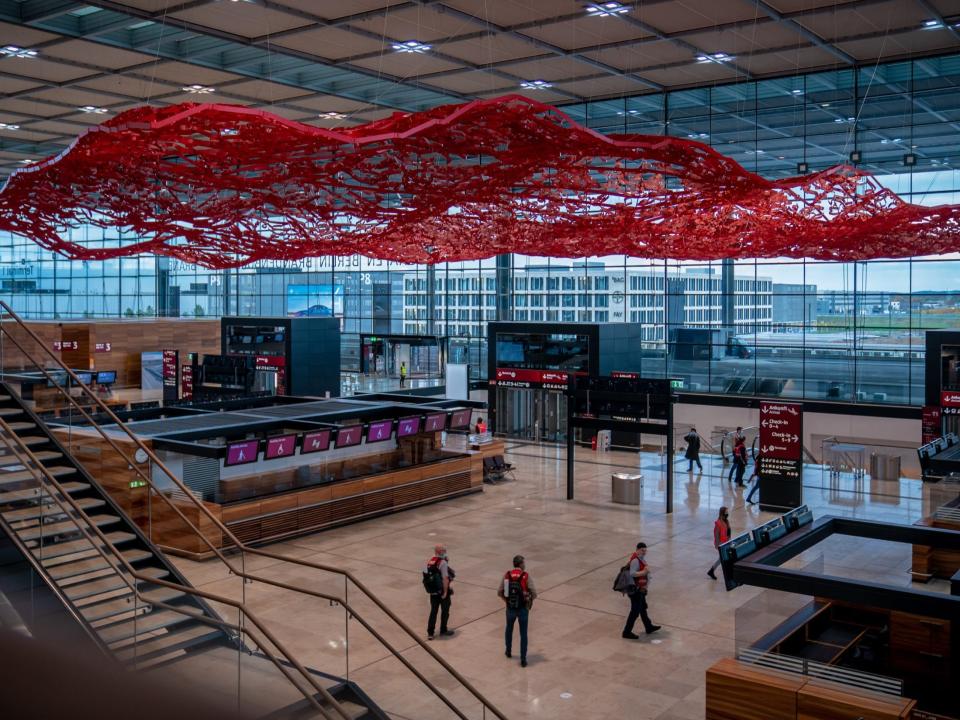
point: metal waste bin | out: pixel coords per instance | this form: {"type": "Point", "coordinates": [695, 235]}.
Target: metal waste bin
{"type": "Point", "coordinates": [884, 467]}
{"type": "Point", "coordinates": [625, 488]}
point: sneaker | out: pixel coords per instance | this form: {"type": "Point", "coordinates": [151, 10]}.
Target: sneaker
{"type": "Point", "coordinates": [710, 573]}
{"type": "Point", "coordinates": [429, 636]}
{"type": "Point", "coordinates": [508, 653]}
{"type": "Point", "coordinates": [630, 636]}
{"type": "Point", "coordinates": [447, 633]}
{"type": "Point", "coordinates": [523, 662]}
{"type": "Point", "coordinates": [653, 629]}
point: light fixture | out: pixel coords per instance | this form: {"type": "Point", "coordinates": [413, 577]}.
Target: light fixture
{"type": "Point", "coordinates": [93, 110]}
{"type": "Point", "coordinates": [719, 57]}
{"type": "Point", "coordinates": [535, 85]}
{"type": "Point", "coordinates": [411, 46]}
{"type": "Point", "coordinates": [27, 161]}
{"type": "Point", "coordinates": [824, 104]}
{"type": "Point", "coordinates": [230, 131]}
{"type": "Point", "coordinates": [607, 9]}
{"type": "Point", "coordinates": [909, 159]}
{"type": "Point", "coordinates": [803, 168]}
{"type": "Point", "coordinates": [629, 112]}
{"type": "Point", "coordinates": [796, 91]}
{"type": "Point", "coordinates": [8, 126]}
{"type": "Point", "coordinates": [856, 157]}
{"type": "Point", "coordinates": [698, 136]}
{"type": "Point", "coordinates": [331, 116]}
{"type": "Point", "coordinates": [17, 52]}
{"type": "Point", "coordinates": [932, 25]}
{"type": "Point", "coordinates": [198, 89]}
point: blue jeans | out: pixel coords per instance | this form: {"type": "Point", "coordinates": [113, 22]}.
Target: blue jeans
{"type": "Point", "coordinates": [523, 615]}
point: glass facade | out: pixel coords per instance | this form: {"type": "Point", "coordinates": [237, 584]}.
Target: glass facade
{"type": "Point", "coordinates": [791, 328]}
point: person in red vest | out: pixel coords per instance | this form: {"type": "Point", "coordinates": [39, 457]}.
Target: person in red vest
{"type": "Point", "coordinates": [518, 593]}
{"type": "Point", "coordinates": [721, 533]}
{"type": "Point", "coordinates": [481, 426]}
{"type": "Point", "coordinates": [638, 598]}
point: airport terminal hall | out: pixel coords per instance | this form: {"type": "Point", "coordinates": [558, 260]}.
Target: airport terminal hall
{"type": "Point", "coordinates": [480, 359]}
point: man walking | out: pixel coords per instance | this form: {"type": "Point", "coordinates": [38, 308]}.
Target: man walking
{"type": "Point", "coordinates": [518, 593]}
{"type": "Point", "coordinates": [638, 598]}
{"type": "Point", "coordinates": [740, 460]}
{"type": "Point", "coordinates": [403, 373]}
{"type": "Point", "coordinates": [737, 437]}
{"type": "Point", "coordinates": [437, 576]}
{"type": "Point", "coordinates": [692, 439]}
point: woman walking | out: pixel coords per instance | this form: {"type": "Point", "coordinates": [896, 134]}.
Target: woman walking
{"type": "Point", "coordinates": [721, 533]}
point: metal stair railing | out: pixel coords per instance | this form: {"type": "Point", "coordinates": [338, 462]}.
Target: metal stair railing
{"type": "Point", "coordinates": [236, 542]}
{"type": "Point", "coordinates": [115, 559]}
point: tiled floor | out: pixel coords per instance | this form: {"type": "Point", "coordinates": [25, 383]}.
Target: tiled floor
{"type": "Point", "coordinates": [579, 665]}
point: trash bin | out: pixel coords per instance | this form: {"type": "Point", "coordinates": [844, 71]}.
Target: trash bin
{"type": "Point", "coordinates": [884, 467]}
{"type": "Point", "coordinates": [625, 488]}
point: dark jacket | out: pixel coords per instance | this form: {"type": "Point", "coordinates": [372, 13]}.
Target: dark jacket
{"type": "Point", "coordinates": [693, 445]}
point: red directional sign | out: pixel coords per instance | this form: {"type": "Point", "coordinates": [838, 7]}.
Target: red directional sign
{"type": "Point", "coordinates": [527, 378]}
{"type": "Point", "coordinates": [949, 398]}
{"type": "Point", "coordinates": [781, 430]}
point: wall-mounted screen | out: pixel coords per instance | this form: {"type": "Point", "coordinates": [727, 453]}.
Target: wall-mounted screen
{"type": "Point", "coordinates": [435, 422]}
{"type": "Point", "coordinates": [85, 377]}
{"type": "Point", "coordinates": [106, 377]}
{"type": "Point", "coordinates": [379, 431]}
{"type": "Point", "coordinates": [280, 446]}
{"type": "Point", "coordinates": [408, 426]}
{"type": "Point", "coordinates": [241, 453]}
{"type": "Point", "coordinates": [315, 442]}
{"type": "Point", "coordinates": [151, 371]}
{"type": "Point", "coordinates": [347, 436]}
{"type": "Point", "coordinates": [460, 418]}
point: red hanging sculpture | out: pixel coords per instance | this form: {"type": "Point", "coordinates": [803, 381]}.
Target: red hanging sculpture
{"type": "Point", "coordinates": [223, 186]}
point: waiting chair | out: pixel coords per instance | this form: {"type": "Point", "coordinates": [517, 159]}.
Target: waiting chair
{"type": "Point", "coordinates": [503, 467]}
{"type": "Point", "coordinates": [490, 472]}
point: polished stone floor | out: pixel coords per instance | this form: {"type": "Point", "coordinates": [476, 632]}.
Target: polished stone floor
{"type": "Point", "coordinates": [579, 667]}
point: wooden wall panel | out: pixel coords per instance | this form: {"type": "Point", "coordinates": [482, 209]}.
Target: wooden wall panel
{"type": "Point", "coordinates": [819, 700]}
{"type": "Point", "coordinates": [736, 691]}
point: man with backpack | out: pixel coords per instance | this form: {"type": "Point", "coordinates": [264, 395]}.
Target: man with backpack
{"type": "Point", "coordinates": [437, 576]}
{"type": "Point", "coordinates": [638, 570]}
{"type": "Point", "coordinates": [518, 593]}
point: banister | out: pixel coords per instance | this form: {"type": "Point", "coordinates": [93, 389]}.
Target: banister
{"type": "Point", "coordinates": [221, 526]}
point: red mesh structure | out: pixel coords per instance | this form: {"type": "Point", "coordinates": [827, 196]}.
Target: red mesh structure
{"type": "Point", "coordinates": [223, 186]}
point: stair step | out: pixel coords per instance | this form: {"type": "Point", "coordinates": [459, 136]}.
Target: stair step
{"type": "Point", "coordinates": [30, 440]}
{"type": "Point", "coordinates": [103, 585]}
{"type": "Point", "coordinates": [49, 553]}
{"type": "Point", "coordinates": [49, 530]}
{"type": "Point", "coordinates": [35, 493]}
{"type": "Point", "coordinates": [41, 455]}
{"type": "Point", "coordinates": [20, 425]}
{"type": "Point", "coordinates": [51, 509]}
{"type": "Point", "coordinates": [10, 411]}
{"type": "Point", "coordinates": [9, 478]}
{"type": "Point", "coordinates": [65, 571]}
{"type": "Point", "coordinates": [132, 556]}
{"type": "Point", "coordinates": [131, 631]}
{"type": "Point", "coordinates": [164, 646]}
{"type": "Point", "coordinates": [116, 606]}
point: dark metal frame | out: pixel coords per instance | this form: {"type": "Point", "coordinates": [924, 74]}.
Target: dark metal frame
{"type": "Point", "coordinates": [762, 568]}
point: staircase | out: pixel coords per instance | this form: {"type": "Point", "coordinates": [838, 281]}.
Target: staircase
{"type": "Point", "coordinates": [84, 570]}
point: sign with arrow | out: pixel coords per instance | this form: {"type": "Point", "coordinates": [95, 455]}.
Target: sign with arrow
{"type": "Point", "coordinates": [781, 455]}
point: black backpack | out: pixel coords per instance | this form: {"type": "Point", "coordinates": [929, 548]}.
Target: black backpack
{"type": "Point", "coordinates": [432, 579]}
{"type": "Point", "coordinates": [516, 597]}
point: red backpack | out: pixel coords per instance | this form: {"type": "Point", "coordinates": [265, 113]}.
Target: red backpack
{"type": "Point", "coordinates": [515, 586]}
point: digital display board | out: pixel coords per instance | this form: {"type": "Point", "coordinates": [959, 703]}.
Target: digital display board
{"type": "Point", "coordinates": [347, 436]}
{"type": "Point", "coordinates": [315, 442]}
{"type": "Point", "coordinates": [408, 426]}
{"type": "Point", "coordinates": [280, 446]}
{"type": "Point", "coordinates": [106, 377]}
{"type": "Point", "coordinates": [380, 431]}
{"type": "Point", "coordinates": [241, 453]}
{"type": "Point", "coordinates": [460, 418]}
{"type": "Point", "coordinates": [85, 377]}
{"type": "Point", "coordinates": [435, 422]}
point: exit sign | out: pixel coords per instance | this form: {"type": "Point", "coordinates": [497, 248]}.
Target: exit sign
{"type": "Point", "coordinates": [676, 384]}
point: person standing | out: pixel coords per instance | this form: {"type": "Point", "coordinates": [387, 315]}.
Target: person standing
{"type": "Point", "coordinates": [737, 436]}
{"type": "Point", "coordinates": [638, 598]}
{"type": "Point", "coordinates": [481, 427]}
{"type": "Point", "coordinates": [437, 576]}
{"type": "Point", "coordinates": [721, 534]}
{"type": "Point", "coordinates": [740, 459]}
{"type": "Point", "coordinates": [692, 439]}
{"type": "Point", "coordinates": [518, 593]}
{"type": "Point", "coordinates": [403, 373]}
{"type": "Point", "coordinates": [755, 478]}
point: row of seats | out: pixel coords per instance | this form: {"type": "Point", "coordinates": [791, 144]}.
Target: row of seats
{"type": "Point", "coordinates": [496, 468]}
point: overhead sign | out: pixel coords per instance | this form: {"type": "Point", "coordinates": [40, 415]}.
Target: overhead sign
{"type": "Point", "coordinates": [949, 398]}
{"type": "Point", "coordinates": [59, 345]}
{"type": "Point", "coordinates": [932, 427]}
{"type": "Point", "coordinates": [526, 378]}
{"type": "Point", "coordinates": [103, 347]}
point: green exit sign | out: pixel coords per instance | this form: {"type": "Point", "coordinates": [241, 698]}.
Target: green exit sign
{"type": "Point", "coordinates": [676, 384]}
{"type": "Point", "coordinates": [137, 484]}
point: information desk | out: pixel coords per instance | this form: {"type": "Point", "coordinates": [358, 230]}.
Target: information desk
{"type": "Point", "coordinates": [930, 562]}
{"type": "Point", "coordinates": [375, 458]}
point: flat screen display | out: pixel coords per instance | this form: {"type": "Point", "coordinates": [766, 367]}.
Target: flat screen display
{"type": "Point", "coordinates": [347, 436]}
{"type": "Point", "coordinates": [460, 418]}
{"type": "Point", "coordinates": [241, 453]}
{"type": "Point", "coordinates": [435, 422]}
{"type": "Point", "coordinates": [106, 377]}
{"type": "Point", "coordinates": [408, 426]}
{"type": "Point", "coordinates": [315, 442]}
{"type": "Point", "coordinates": [86, 378]}
{"type": "Point", "coordinates": [280, 446]}
{"type": "Point", "coordinates": [379, 431]}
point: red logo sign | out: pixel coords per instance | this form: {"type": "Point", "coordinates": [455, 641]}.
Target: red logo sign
{"type": "Point", "coordinates": [781, 430]}
{"type": "Point", "coordinates": [932, 428]}
{"type": "Point", "coordinates": [103, 347]}
{"type": "Point", "coordinates": [949, 398]}
{"type": "Point", "coordinates": [525, 378]}
{"type": "Point", "coordinates": [59, 345]}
